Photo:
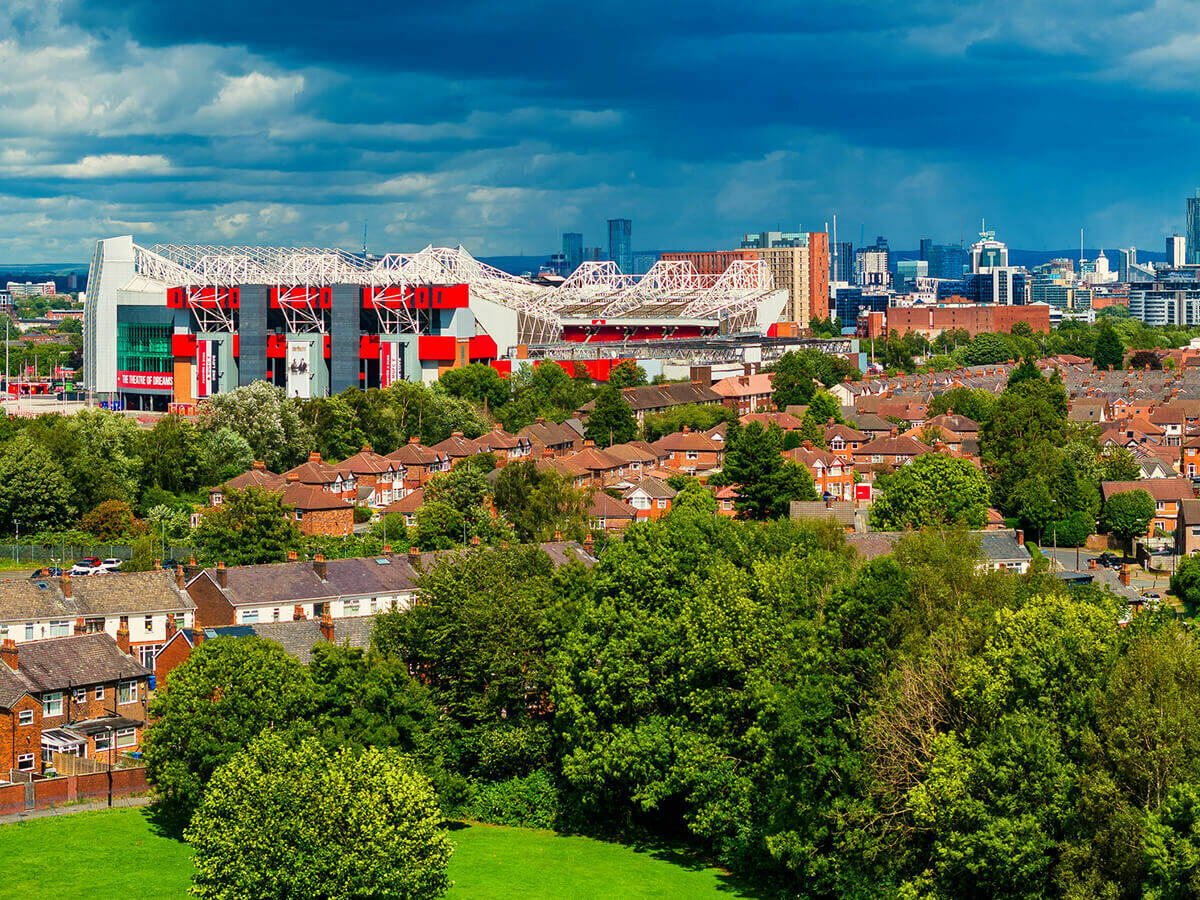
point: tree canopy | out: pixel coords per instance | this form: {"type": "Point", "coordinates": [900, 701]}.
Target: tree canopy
{"type": "Point", "coordinates": [933, 489]}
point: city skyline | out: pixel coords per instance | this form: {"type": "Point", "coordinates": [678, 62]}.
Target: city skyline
{"type": "Point", "coordinates": [273, 126]}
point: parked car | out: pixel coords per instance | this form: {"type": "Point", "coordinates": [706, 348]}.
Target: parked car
{"type": "Point", "coordinates": [1151, 595]}
{"type": "Point", "coordinates": [47, 572]}
{"type": "Point", "coordinates": [1108, 559]}
{"type": "Point", "coordinates": [86, 566]}
{"type": "Point", "coordinates": [112, 564]}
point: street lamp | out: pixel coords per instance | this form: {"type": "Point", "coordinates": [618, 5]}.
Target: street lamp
{"type": "Point", "coordinates": [17, 545]}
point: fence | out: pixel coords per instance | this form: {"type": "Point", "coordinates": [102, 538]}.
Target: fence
{"type": "Point", "coordinates": [68, 553]}
{"type": "Point", "coordinates": [45, 793]}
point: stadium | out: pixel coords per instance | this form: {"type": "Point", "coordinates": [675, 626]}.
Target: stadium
{"type": "Point", "coordinates": [173, 324]}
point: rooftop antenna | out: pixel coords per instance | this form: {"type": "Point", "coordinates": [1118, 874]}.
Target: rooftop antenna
{"type": "Point", "coordinates": [364, 237]}
{"type": "Point", "coordinates": [836, 254]}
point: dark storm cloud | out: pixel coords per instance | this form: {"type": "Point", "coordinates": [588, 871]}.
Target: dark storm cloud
{"type": "Point", "coordinates": [501, 124]}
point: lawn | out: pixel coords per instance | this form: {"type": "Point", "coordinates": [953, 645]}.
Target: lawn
{"type": "Point", "coordinates": [118, 854]}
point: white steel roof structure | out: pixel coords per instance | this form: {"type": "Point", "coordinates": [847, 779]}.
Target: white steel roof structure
{"type": "Point", "coordinates": [595, 290]}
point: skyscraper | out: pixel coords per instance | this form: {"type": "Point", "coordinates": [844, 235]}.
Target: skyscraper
{"type": "Point", "coordinates": [947, 261]}
{"type": "Point", "coordinates": [1176, 251]}
{"type": "Point", "coordinates": [572, 249]}
{"type": "Point", "coordinates": [843, 262]}
{"type": "Point", "coordinates": [926, 247]}
{"type": "Point", "coordinates": [1193, 230]}
{"type": "Point", "coordinates": [620, 244]}
{"type": "Point", "coordinates": [818, 274]}
{"type": "Point", "coordinates": [1126, 259]}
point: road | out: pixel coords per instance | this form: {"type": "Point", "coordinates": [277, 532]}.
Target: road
{"type": "Point", "coordinates": [1139, 580]}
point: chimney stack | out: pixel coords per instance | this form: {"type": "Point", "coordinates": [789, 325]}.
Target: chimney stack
{"type": "Point", "coordinates": [180, 578]}
{"type": "Point", "coordinates": [297, 613]}
{"type": "Point", "coordinates": [314, 457]}
{"type": "Point", "coordinates": [191, 570]}
{"type": "Point", "coordinates": [197, 635]}
{"type": "Point", "coordinates": [1021, 536]}
{"type": "Point", "coordinates": [158, 565]}
{"type": "Point", "coordinates": [259, 466]}
{"type": "Point", "coordinates": [80, 626]}
{"type": "Point", "coordinates": [123, 638]}
{"type": "Point", "coordinates": [387, 549]}
{"type": "Point", "coordinates": [171, 629]}
{"type": "Point", "coordinates": [414, 557]}
{"type": "Point", "coordinates": [222, 575]}
{"type": "Point", "coordinates": [327, 626]}
{"type": "Point", "coordinates": [65, 584]}
{"type": "Point", "coordinates": [319, 566]}
{"type": "Point", "coordinates": [8, 653]}
{"type": "Point", "coordinates": [1123, 575]}
{"type": "Point", "coordinates": [292, 477]}
{"type": "Point", "coordinates": [1092, 563]}
{"type": "Point", "coordinates": [292, 557]}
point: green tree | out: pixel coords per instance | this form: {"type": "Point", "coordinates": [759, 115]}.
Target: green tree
{"type": "Point", "coordinates": [976, 405]}
{"type": "Point", "coordinates": [1145, 359]}
{"type": "Point", "coordinates": [1118, 464]}
{"type": "Point", "coordinates": [766, 485]}
{"type": "Point", "coordinates": [457, 509]}
{"type": "Point", "coordinates": [1109, 349]}
{"type": "Point", "coordinates": [225, 693]}
{"type": "Point", "coordinates": [794, 380]}
{"type": "Point", "coordinates": [169, 452]}
{"type": "Point", "coordinates": [479, 383]}
{"type": "Point", "coordinates": [266, 419]}
{"type": "Point", "coordinates": [1185, 583]}
{"type": "Point", "coordinates": [33, 489]}
{"type": "Point", "coordinates": [611, 420]}
{"type": "Point", "coordinates": [1128, 514]}
{"type": "Point", "coordinates": [1026, 371]}
{"type": "Point", "coordinates": [249, 527]}
{"type": "Point", "coordinates": [112, 520]}
{"type": "Point", "coordinates": [933, 489]}
{"type": "Point", "coordinates": [627, 374]}
{"type": "Point", "coordinates": [986, 349]}
{"type": "Point", "coordinates": [540, 503]}
{"type": "Point", "coordinates": [294, 820]}
{"type": "Point", "coordinates": [222, 453]}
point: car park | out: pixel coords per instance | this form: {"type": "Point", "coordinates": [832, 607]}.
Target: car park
{"type": "Point", "coordinates": [86, 566]}
{"type": "Point", "coordinates": [47, 572]}
{"type": "Point", "coordinates": [112, 564]}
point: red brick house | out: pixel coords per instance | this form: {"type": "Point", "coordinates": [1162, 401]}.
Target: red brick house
{"type": "Point", "coordinates": [560, 439]}
{"type": "Point", "coordinates": [832, 476]}
{"type": "Point", "coordinates": [327, 477]}
{"type": "Point", "coordinates": [651, 498]}
{"type": "Point", "coordinates": [92, 694]}
{"type": "Point", "coordinates": [258, 477]}
{"type": "Point", "coordinates": [690, 451]}
{"type": "Point", "coordinates": [746, 393]}
{"type": "Point", "coordinates": [379, 479]}
{"type": "Point", "coordinates": [1168, 494]}
{"type": "Point", "coordinates": [608, 514]}
{"type": "Point", "coordinates": [894, 450]}
{"type": "Point", "coordinates": [419, 463]}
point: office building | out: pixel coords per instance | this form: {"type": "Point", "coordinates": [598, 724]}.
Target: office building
{"type": "Point", "coordinates": [1125, 259]}
{"type": "Point", "coordinates": [908, 271]}
{"type": "Point", "coordinates": [1161, 305]}
{"type": "Point", "coordinates": [572, 249]}
{"type": "Point", "coordinates": [843, 261]}
{"type": "Point", "coordinates": [620, 244]}
{"type": "Point", "coordinates": [871, 267]}
{"type": "Point", "coordinates": [947, 261]}
{"type": "Point", "coordinates": [644, 261]}
{"type": "Point", "coordinates": [1176, 251]}
{"type": "Point", "coordinates": [18, 289]}
{"type": "Point", "coordinates": [988, 253]}
{"type": "Point", "coordinates": [850, 302]}
{"type": "Point", "coordinates": [790, 268]}
{"type": "Point", "coordinates": [926, 248]}
{"type": "Point", "coordinates": [1193, 230]}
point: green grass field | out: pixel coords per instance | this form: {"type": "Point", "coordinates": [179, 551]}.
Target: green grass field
{"type": "Point", "coordinates": [118, 854]}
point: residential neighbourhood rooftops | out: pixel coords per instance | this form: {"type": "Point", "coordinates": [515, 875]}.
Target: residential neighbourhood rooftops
{"type": "Point", "coordinates": [81, 659]}
{"type": "Point", "coordinates": [129, 592]}
{"type": "Point", "coordinates": [1161, 489]}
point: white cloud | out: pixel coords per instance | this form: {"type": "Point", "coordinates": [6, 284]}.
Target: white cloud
{"type": "Point", "coordinates": [108, 165]}
{"type": "Point", "coordinates": [255, 94]}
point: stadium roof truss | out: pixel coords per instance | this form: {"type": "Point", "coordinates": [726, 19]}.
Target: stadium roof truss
{"type": "Point", "coordinates": [672, 288]}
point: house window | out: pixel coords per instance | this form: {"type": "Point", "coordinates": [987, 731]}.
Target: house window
{"type": "Point", "coordinates": [299, 515]}
{"type": "Point", "coordinates": [124, 622]}
{"type": "Point", "coordinates": [25, 762]}
{"type": "Point", "coordinates": [92, 624]}
{"type": "Point", "coordinates": [60, 629]}
{"type": "Point", "coordinates": [275, 614]}
{"type": "Point", "coordinates": [692, 454]}
{"type": "Point", "coordinates": [29, 631]}
{"type": "Point", "coordinates": [81, 695]}
{"type": "Point", "coordinates": [126, 737]}
{"type": "Point", "coordinates": [349, 607]}
{"type": "Point", "coordinates": [149, 623]}
{"type": "Point", "coordinates": [25, 717]}
{"type": "Point", "coordinates": [249, 616]}
{"type": "Point", "coordinates": [146, 654]}
{"type": "Point", "coordinates": [52, 704]}
{"type": "Point", "coordinates": [374, 604]}
{"type": "Point", "coordinates": [127, 692]}
{"type": "Point", "coordinates": [103, 742]}
{"type": "Point", "coordinates": [99, 694]}
{"type": "Point", "coordinates": [662, 504]}
{"type": "Point", "coordinates": [3, 631]}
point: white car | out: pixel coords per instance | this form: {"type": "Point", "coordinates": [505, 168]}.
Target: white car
{"type": "Point", "coordinates": [112, 564]}
{"type": "Point", "coordinates": [87, 566]}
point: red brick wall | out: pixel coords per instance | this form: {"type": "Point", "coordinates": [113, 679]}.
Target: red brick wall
{"type": "Point", "coordinates": [56, 791]}
{"type": "Point", "coordinates": [975, 319]}
{"type": "Point", "coordinates": [712, 262]}
{"type": "Point", "coordinates": [212, 609]}
{"type": "Point", "coordinates": [818, 274]}
{"type": "Point", "coordinates": [331, 522]}
{"type": "Point", "coordinates": [18, 739]}
{"type": "Point", "coordinates": [174, 653]}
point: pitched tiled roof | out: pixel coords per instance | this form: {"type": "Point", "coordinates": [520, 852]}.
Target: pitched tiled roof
{"type": "Point", "coordinates": [893, 446]}
{"type": "Point", "coordinates": [686, 440]}
{"type": "Point", "coordinates": [313, 472]}
{"type": "Point", "coordinates": [653, 488]}
{"type": "Point", "coordinates": [28, 599]}
{"type": "Point", "coordinates": [1161, 489]}
{"type": "Point", "coordinates": [80, 659]}
{"type": "Point", "coordinates": [256, 478]}
{"type": "Point", "coordinates": [414, 454]}
{"type": "Point", "coordinates": [551, 434]}
{"type": "Point", "coordinates": [659, 396]}
{"type": "Point", "coordinates": [602, 506]}
{"type": "Point", "coordinates": [407, 504]}
{"type": "Point", "coordinates": [457, 447]}
{"type": "Point", "coordinates": [305, 497]}
{"type": "Point", "coordinates": [744, 385]}
{"type": "Point", "coordinates": [121, 593]}
{"type": "Point", "coordinates": [365, 462]}
{"type": "Point", "coordinates": [297, 582]}
{"type": "Point", "coordinates": [842, 512]}
{"type": "Point", "coordinates": [845, 432]}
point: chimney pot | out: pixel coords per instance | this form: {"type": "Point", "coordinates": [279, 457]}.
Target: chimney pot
{"type": "Point", "coordinates": [180, 577]}
{"type": "Point", "coordinates": [123, 639]}
{"type": "Point", "coordinates": [222, 574]}
{"type": "Point", "coordinates": [80, 625]}
{"type": "Point", "coordinates": [414, 557]}
{"type": "Point", "coordinates": [65, 583]}
{"type": "Point", "coordinates": [292, 556]}
{"type": "Point", "coordinates": [327, 626]}
{"type": "Point", "coordinates": [319, 566]}
{"type": "Point", "coordinates": [1092, 563]}
{"type": "Point", "coordinates": [1021, 536]}
{"type": "Point", "coordinates": [387, 549]}
{"type": "Point", "coordinates": [259, 465]}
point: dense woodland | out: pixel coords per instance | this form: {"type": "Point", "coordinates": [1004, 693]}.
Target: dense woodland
{"type": "Point", "coordinates": [908, 727]}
